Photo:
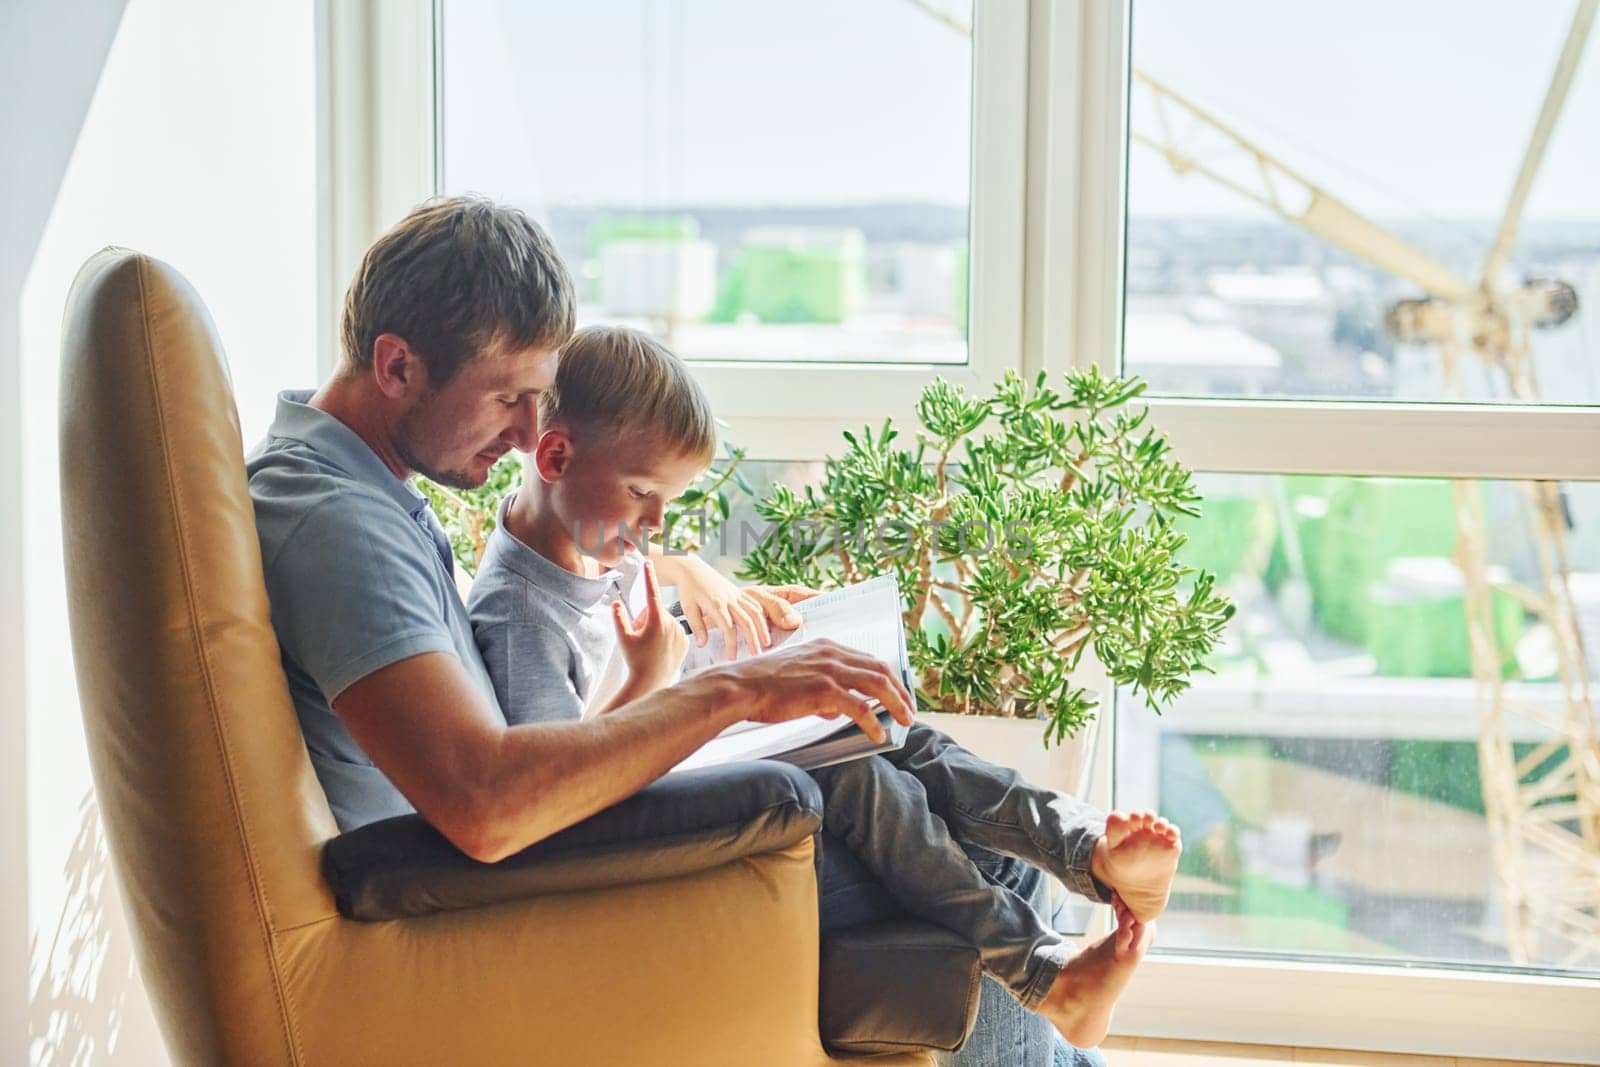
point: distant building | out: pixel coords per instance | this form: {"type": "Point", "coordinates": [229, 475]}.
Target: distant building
{"type": "Point", "coordinates": [1177, 354]}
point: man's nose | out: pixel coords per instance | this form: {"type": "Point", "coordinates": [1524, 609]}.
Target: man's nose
{"type": "Point", "coordinates": [524, 432]}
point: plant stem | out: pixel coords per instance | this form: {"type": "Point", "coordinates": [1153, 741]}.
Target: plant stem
{"type": "Point", "coordinates": [949, 619]}
{"type": "Point", "coordinates": [1069, 477]}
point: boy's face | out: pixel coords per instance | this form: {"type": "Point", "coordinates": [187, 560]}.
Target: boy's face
{"type": "Point", "coordinates": [596, 486]}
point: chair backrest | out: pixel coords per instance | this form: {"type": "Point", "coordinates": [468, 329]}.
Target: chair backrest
{"type": "Point", "coordinates": [212, 811]}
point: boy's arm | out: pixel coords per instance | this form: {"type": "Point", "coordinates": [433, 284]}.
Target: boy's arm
{"type": "Point", "coordinates": [624, 696]}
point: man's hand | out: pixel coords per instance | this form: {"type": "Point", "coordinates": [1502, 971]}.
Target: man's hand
{"type": "Point", "coordinates": [653, 645]}
{"type": "Point", "coordinates": [819, 677]}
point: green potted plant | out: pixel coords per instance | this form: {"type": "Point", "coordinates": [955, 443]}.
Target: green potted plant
{"type": "Point", "coordinates": [1026, 528]}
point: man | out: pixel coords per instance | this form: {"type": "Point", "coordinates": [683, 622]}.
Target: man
{"type": "Point", "coordinates": [450, 333]}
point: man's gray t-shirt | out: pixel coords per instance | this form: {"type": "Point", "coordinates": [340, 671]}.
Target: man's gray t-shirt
{"type": "Point", "coordinates": [545, 633]}
{"type": "Point", "coordinates": [358, 577]}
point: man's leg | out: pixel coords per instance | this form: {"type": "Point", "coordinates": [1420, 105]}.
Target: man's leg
{"type": "Point", "coordinates": [1005, 1035]}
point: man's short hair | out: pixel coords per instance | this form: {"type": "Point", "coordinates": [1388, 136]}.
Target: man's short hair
{"type": "Point", "coordinates": [455, 278]}
{"type": "Point", "coordinates": [622, 383]}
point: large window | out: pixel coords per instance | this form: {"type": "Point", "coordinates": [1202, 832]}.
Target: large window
{"type": "Point", "coordinates": [1329, 775]}
{"type": "Point", "coordinates": [1366, 310]}
{"type": "Point", "coordinates": [816, 203]}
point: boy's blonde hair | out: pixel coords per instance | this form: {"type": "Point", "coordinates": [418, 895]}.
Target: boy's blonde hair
{"type": "Point", "coordinates": [622, 383]}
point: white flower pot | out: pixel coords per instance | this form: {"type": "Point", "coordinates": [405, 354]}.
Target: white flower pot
{"type": "Point", "coordinates": [1019, 744]}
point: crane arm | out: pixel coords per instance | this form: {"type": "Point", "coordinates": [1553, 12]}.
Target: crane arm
{"type": "Point", "coordinates": [1276, 186]}
{"type": "Point", "coordinates": [1555, 99]}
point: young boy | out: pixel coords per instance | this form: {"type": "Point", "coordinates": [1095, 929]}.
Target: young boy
{"type": "Point", "coordinates": [624, 430]}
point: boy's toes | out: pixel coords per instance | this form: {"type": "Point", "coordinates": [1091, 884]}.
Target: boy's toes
{"type": "Point", "coordinates": [1118, 827]}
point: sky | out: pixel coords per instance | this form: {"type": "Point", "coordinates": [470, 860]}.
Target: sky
{"type": "Point", "coordinates": [1401, 107]}
{"type": "Point", "coordinates": [705, 101]}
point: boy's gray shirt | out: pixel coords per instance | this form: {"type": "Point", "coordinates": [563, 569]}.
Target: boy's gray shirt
{"type": "Point", "coordinates": [545, 634]}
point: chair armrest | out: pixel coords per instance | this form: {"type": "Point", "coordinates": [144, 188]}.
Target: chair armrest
{"type": "Point", "coordinates": [897, 984]}
{"type": "Point", "coordinates": [402, 867]}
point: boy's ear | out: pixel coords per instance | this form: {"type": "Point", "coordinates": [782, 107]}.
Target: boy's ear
{"type": "Point", "coordinates": [552, 455]}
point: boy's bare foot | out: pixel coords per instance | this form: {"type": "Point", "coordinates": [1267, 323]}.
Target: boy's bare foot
{"type": "Point", "coordinates": [1138, 858]}
{"type": "Point", "coordinates": [1080, 1001]}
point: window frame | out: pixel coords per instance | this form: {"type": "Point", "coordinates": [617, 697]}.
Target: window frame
{"type": "Point", "coordinates": [1048, 208]}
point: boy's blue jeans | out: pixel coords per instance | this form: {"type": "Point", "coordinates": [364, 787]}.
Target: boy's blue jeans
{"type": "Point", "coordinates": [907, 814]}
{"type": "Point", "coordinates": [933, 830]}
{"type": "Point", "coordinates": [1005, 1034]}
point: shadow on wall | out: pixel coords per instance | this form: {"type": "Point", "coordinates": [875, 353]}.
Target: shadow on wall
{"type": "Point", "coordinates": [79, 984]}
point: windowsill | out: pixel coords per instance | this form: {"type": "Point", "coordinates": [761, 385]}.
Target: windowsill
{"type": "Point", "coordinates": [1160, 1052]}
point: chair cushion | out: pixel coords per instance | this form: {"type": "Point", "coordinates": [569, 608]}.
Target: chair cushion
{"type": "Point", "coordinates": [402, 867]}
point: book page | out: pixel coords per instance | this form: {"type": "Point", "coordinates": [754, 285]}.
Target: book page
{"type": "Point", "coordinates": [865, 617]}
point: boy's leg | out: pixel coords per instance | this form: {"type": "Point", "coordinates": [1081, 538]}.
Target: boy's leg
{"type": "Point", "coordinates": [882, 816]}
{"type": "Point", "coordinates": [996, 808]}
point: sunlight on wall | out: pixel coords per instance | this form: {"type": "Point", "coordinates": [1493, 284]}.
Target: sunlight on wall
{"type": "Point", "coordinates": [199, 148]}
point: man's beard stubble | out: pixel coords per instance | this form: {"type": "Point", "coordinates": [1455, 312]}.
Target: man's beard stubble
{"type": "Point", "coordinates": [404, 447]}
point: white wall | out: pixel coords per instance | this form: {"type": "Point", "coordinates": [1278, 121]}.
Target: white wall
{"type": "Point", "coordinates": [50, 59]}
{"type": "Point", "coordinates": [192, 138]}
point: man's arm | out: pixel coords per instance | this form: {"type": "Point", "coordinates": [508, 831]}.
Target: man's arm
{"type": "Point", "coordinates": [494, 790]}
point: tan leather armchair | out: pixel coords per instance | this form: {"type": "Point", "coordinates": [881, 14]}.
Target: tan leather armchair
{"type": "Point", "coordinates": [216, 820]}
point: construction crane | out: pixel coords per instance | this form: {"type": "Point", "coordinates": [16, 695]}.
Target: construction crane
{"type": "Point", "coordinates": [1542, 809]}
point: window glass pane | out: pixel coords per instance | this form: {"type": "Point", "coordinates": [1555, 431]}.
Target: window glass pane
{"type": "Point", "coordinates": [1327, 776]}
{"type": "Point", "coordinates": [1313, 202]}
{"type": "Point", "coordinates": [780, 182]}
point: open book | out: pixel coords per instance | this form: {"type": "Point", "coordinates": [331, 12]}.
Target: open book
{"type": "Point", "coordinates": [865, 617]}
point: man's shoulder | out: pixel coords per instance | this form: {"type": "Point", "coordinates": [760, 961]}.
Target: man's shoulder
{"type": "Point", "coordinates": [284, 473]}
{"type": "Point", "coordinates": [298, 495]}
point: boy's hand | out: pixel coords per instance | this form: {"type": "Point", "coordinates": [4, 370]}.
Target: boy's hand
{"type": "Point", "coordinates": [711, 602]}
{"type": "Point", "coordinates": [653, 645]}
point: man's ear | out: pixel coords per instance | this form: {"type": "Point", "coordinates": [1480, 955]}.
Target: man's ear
{"type": "Point", "coordinates": [552, 455]}
{"type": "Point", "coordinates": [397, 368]}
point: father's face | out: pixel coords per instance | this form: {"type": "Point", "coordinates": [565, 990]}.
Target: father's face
{"type": "Point", "coordinates": [454, 434]}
